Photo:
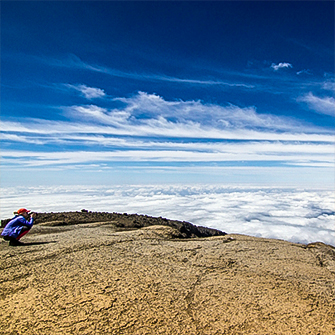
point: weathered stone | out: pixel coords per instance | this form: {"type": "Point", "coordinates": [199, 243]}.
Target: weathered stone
{"type": "Point", "coordinates": [98, 278]}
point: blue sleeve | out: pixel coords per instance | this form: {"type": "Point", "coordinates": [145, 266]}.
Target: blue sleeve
{"type": "Point", "coordinates": [25, 222]}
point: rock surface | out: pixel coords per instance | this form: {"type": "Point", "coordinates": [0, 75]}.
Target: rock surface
{"type": "Point", "coordinates": [105, 278]}
{"type": "Point", "coordinates": [121, 221]}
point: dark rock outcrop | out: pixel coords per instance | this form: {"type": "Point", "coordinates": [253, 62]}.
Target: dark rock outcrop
{"type": "Point", "coordinates": [127, 221]}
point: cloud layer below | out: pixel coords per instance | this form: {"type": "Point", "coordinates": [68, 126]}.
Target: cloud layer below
{"type": "Point", "coordinates": [296, 215]}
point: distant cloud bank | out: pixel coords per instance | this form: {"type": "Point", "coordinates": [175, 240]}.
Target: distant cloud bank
{"type": "Point", "coordinates": [297, 215]}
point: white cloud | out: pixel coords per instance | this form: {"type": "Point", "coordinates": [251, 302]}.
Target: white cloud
{"type": "Point", "coordinates": [324, 105]}
{"type": "Point", "coordinates": [308, 154]}
{"type": "Point", "coordinates": [87, 92]}
{"type": "Point", "coordinates": [99, 115]}
{"type": "Point", "coordinates": [129, 126]}
{"type": "Point", "coordinates": [329, 85]}
{"type": "Point", "coordinates": [21, 138]}
{"type": "Point", "coordinates": [198, 82]}
{"type": "Point", "coordinates": [304, 72]}
{"type": "Point", "coordinates": [75, 61]}
{"type": "Point", "coordinates": [276, 67]}
{"type": "Point", "coordinates": [150, 115]}
{"type": "Point", "coordinates": [199, 115]}
{"type": "Point", "coordinates": [147, 128]}
{"type": "Point", "coordinates": [285, 213]}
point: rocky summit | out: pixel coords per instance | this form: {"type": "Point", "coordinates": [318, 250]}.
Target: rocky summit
{"type": "Point", "coordinates": [108, 273]}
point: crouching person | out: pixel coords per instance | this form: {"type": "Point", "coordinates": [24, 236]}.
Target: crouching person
{"type": "Point", "coordinates": [19, 226]}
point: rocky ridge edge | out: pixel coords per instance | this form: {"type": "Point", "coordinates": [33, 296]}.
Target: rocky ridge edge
{"type": "Point", "coordinates": [125, 221]}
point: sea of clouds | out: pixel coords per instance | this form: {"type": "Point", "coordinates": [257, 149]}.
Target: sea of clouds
{"type": "Point", "coordinates": [296, 215]}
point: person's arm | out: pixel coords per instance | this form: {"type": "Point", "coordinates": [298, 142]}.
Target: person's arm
{"type": "Point", "coordinates": [29, 223]}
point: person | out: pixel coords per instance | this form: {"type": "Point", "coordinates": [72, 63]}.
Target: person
{"type": "Point", "coordinates": [19, 226]}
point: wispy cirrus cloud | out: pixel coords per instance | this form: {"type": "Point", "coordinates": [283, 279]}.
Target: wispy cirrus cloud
{"type": "Point", "coordinates": [158, 128]}
{"type": "Point", "coordinates": [199, 82]}
{"type": "Point", "coordinates": [152, 151]}
{"type": "Point", "coordinates": [322, 105]}
{"type": "Point", "coordinates": [87, 92]}
{"type": "Point", "coordinates": [110, 149]}
{"type": "Point", "coordinates": [21, 138]}
{"type": "Point", "coordinates": [75, 62]}
{"type": "Point", "coordinates": [256, 80]}
{"type": "Point", "coordinates": [146, 128]}
{"type": "Point", "coordinates": [151, 115]}
{"type": "Point", "coordinates": [149, 112]}
{"type": "Point", "coordinates": [308, 72]}
{"type": "Point", "coordinates": [329, 84]}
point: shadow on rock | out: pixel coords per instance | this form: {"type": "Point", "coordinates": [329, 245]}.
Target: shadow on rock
{"type": "Point", "coordinates": [37, 243]}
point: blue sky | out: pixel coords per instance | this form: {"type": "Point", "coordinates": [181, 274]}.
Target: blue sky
{"type": "Point", "coordinates": [167, 92]}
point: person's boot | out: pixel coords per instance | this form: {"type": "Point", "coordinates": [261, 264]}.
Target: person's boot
{"type": "Point", "coordinates": [14, 242]}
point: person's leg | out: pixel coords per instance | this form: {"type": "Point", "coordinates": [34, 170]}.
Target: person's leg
{"type": "Point", "coordinates": [24, 231]}
{"type": "Point", "coordinates": [16, 241]}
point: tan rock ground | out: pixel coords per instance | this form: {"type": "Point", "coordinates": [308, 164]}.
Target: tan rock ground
{"type": "Point", "coordinates": [93, 279]}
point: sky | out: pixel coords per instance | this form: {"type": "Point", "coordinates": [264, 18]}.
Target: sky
{"type": "Point", "coordinates": [237, 92]}
{"type": "Point", "coordinates": [218, 113]}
